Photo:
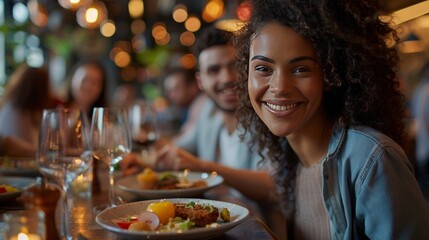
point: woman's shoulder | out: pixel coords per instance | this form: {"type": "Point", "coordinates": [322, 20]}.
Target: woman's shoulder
{"type": "Point", "coordinates": [370, 135]}
{"type": "Point", "coordinates": [366, 142]}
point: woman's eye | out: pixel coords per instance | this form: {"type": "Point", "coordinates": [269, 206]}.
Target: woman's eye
{"type": "Point", "coordinates": [300, 70]}
{"type": "Point", "coordinates": [262, 69]}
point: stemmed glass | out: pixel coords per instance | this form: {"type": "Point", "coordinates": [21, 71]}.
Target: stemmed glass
{"type": "Point", "coordinates": [111, 141]}
{"type": "Point", "coordinates": [144, 130]}
{"type": "Point", "coordinates": [64, 151]}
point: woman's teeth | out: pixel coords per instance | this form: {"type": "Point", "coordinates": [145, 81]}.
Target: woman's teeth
{"type": "Point", "coordinates": [282, 107]}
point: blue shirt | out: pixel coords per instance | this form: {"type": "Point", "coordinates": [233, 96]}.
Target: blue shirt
{"type": "Point", "coordinates": [369, 188]}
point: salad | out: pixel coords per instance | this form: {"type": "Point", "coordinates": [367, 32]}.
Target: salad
{"type": "Point", "coordinates": [165, 216]}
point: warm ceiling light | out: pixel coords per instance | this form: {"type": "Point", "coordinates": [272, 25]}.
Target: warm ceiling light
{"type": "Point", "coordinates": [74, 4]}
{"type": "Point", "coordinates": [159, 31]}
{"type": "Point", "coordinates": [180, 13]}
{"type": "Point", "coordinates": [410, 12]}
{"type": "Point", "coordinates": [122, 59]}
{"type": "Point", "coordinates": [213, 10]}
{"type": "Point", "coordinates": [92, 16]}
{"type": "Point", "coordinates": [136, 8]}
{"type": "Point", "coordinates": [192, 24]}
{"type": "Point", "coordinates": [422, 22]}
{"type": "Point", "coordinates": [108, 28]}
{"type": "Point", "coordinates": [163, 41]}
{"type": "Point", "coordinates": [188, 61]}
{"type": "Point", "coordinates": [187, 38]}
{"type": "Point", "coordinates": [244, 11]}
{"type": "Point", "coordinates": [230, 25]}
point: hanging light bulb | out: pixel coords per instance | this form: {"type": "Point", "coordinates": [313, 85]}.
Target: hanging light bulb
{"type": "Point", "coordinates": [74, 4]}
{"type": "Point", "coordinates": [92, 16]}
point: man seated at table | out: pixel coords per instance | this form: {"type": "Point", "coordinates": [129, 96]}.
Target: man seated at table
{"type": "Point", "coordinates": [215, 143]}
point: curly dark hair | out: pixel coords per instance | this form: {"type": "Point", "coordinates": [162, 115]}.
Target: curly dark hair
{"type": "Point", "coordinates": [360, 71]}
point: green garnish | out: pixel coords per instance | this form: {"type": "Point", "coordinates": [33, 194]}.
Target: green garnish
{"type": "Point", "coordinates": [166, 175]}
{"type": "Point", "coordinates": [191, 204]}
{"type": "Point", "coordinates": [209, 207]}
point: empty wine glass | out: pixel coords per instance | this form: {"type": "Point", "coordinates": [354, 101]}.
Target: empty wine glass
{"type": "Point", "coordinates": [144, 130]}
{"type": "Point", "coordinates": [64, 151]}
{"type": "Point", "coordinates": [111, 141]}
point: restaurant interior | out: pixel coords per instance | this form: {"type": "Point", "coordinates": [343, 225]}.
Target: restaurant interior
{"type": "Point", "coordinates": [137, 41]}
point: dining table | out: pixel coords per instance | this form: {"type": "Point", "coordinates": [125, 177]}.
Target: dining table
{"type": "Point", "coordinates": [82, 217]}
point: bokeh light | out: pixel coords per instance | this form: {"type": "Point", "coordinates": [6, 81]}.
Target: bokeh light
{"type": "Point", "coordinates": [108, 28]}
{"type": "Point", "coordinates": [180, 13]}
{"type": "Point", "coordinates": [136, 8]}
{"type": "Point", "coordinates": [187, 38]}
{"type": "Point", "coordinates": [74, 4]}
{"type": "Point", "coordinates": [20, 13]}
{"type": "Point", "coordinates": [138, 26]}
{"type": "Point", "coordinates": [38, 13]}
{"type": "Point", "coordinates": [159, 31]}
{"type": "Point", "coordinates": [192, 24]}
{"type": "Point", "coordinates": [188, 61]}
{"type": "Point", "coordinates": [122, 59]}
{"type": "Point", "coordinates": [92, 16]}
{"type": "Point", "coordinates": [213, 10]}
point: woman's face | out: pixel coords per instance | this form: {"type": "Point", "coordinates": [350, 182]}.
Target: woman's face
{"type": "Point", "coordinates": [87, 85]}
{"type": "Point", "coordinates": [285, 82]}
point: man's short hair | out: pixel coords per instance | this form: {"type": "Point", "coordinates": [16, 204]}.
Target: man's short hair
{"type": "Point", "coordinates": [212, 36]}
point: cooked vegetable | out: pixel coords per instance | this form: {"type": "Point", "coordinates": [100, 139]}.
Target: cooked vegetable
{"type": "Point", "coordinates": [164, 210]}
{"type": "Point", "coordinates": [224, 215]}
{"type": "Point", "coordinates": [150, 219]}
{"type": "Point", "coordinates": [139, 226]}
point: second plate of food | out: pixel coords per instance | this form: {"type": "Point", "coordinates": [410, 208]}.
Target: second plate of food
{"type": "Point", "coordinates": [12, 187]}
{"type": "Point", "coordinates": [170, 184]}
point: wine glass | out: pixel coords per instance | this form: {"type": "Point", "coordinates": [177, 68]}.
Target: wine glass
{"type": "Point", "coordinates": [144, 130]}
{"type": "Point", "coordinates": [111, 141]}
{"type": "Point", "coordinates": [64, 151]}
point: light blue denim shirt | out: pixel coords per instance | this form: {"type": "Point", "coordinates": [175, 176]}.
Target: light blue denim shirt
{"type": "Point", "coordinates": [369, 188]}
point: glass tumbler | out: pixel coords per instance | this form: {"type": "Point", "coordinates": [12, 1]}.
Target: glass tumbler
{"type": "Point", "coordinates": [25, 224]}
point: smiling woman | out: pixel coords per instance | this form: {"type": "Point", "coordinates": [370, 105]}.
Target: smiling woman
{"type": "Point", "coordinates": [321, 95]}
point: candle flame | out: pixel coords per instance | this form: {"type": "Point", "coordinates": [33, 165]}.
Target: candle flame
{"type": "Point", "coordinates": [22, 236]}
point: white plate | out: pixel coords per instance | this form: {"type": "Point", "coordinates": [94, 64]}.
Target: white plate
{"type": "Point", "coordinates": [105, 220]}
{"type": "Point", "coordinates": [21, 183]}
{"type": "Point", "coordinates": [130, 184]}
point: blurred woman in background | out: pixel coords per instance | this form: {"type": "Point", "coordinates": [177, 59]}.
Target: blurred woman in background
{"type": "Point", "coordinates": [28, 92]}
{"type": "Point", "coordinates": [88, 81]}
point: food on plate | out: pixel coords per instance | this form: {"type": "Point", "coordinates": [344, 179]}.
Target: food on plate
{"type": "Point", "coordinates": [147, 179]}
{"type": "Point", "coordinates": [5, 188]}
{"type": "Point", "coordinates": [139, 226]}
{"type": "Point", "coordinates": [164, 209]}
{"type": "Point", "coordinates": [165, 216]}
{"type": "Point", "coordinates": [224, 215]}
{"type": "Point", "coordinates": [151, 180]}
{"type": "Point", "coordinates": [201, 215]}
{"type": "Point", "coordinates": [125, 223]}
